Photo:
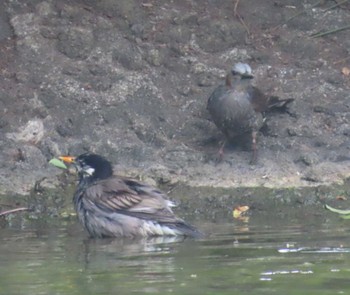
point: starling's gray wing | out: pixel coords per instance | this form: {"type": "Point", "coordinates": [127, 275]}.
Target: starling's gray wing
{"type": "Point", "coordinates": [258, 100]}
{"type": "Point", "coordinates": [262, 103]}
{"type": "Point", "coordinates": [132, 198]}
{"type": "Point", "coordinates": [232, 111]}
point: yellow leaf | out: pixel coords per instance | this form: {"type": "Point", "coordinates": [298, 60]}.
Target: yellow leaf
{"type": "Point", "coordinates": [345, 71]}
{"type": "Point", "coordinates": [238, 211]}
{"type": "Point", "coordinates": [341, 198]}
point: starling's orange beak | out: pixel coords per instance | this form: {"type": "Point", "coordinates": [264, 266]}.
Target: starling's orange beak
{"type": "Point", "coordinates": [67, 159]}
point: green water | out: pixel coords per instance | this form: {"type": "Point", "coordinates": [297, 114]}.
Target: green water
{"type": "Point", "coordinates": [276, 257]}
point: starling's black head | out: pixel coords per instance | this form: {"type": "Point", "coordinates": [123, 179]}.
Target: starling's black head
{"type": "Point", "coordinates": [93, 167]}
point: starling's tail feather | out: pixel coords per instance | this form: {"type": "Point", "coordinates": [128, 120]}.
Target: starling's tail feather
{"type": "Point", "coordinates": [187, 229]}
{"type": "Point", "coordinates": [275, 103]}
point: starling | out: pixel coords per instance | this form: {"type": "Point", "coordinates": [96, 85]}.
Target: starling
{"type": "Point", "coordinates": [237, 107]}
{"type": "Point", "coordinates": [113, 206]}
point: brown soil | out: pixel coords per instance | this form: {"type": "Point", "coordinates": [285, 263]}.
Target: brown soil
{"type": "Point", "coordinates": [131, 79]}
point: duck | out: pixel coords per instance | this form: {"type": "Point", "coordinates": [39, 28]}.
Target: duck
{"type": "Point", "coordinates": [238, 108]}
{"type": "Point", "coordinates": [109, 205]}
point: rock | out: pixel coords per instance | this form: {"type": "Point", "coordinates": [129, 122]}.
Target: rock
{"type": "Point", "coordinates": [32, 132]}
{"type": "Point", "coordinates": [128, 55]}
{"type": "Point", "coordinates": [76, 43]}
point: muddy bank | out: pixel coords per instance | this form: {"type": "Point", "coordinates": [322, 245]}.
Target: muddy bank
{"type": "Point", "coordinates": [200, 206]}
{"type": "Point", "coordinates": [131, 80]}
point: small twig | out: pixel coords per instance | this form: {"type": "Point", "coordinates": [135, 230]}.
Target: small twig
{"type": "Point", "coordinates": [296, 15]}
{"type": "Point", "coordinates": [235, 7]}
{"type": "Point", "coordinates": [321, 34]}
{"type": "Point", "coordinates": [236, 14]}
{"type": "Point", "coordinates": [13, 211]}
{"type": "Point", "coordinates": [171, 189]}
{"type": "Point", "coordinates": [303, 11]}
{"type": "Point", "coordinates": [244, 24]}
{"type": "Point", "coordinates": [341, 60]}
{"type": "Point", "coordinates": [335, 5]}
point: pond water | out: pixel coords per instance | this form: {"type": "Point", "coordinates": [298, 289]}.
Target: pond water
{"type": "Point", "coordinates": [252, 257]}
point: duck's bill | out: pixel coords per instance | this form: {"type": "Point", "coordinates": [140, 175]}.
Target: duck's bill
{"type": "Point", "coordinates": [67, 159]}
